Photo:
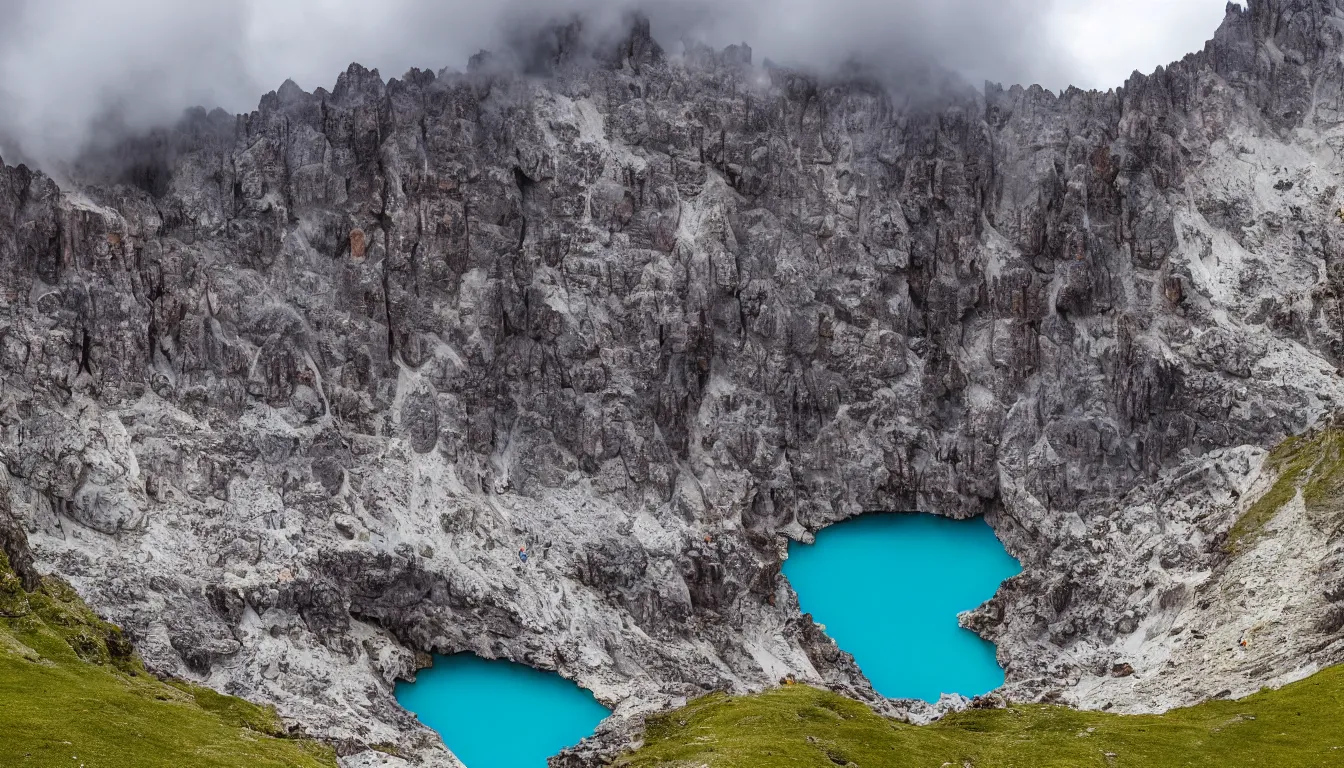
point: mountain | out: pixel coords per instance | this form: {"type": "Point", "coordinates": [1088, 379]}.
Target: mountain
{"type": "Point", "coordinates": [285, 393]}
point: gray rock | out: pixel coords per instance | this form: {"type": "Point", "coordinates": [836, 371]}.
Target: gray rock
{"type": "Point", "coordinates": [357, 347]}
{"type": "Point", "coordinates": [14, 544]}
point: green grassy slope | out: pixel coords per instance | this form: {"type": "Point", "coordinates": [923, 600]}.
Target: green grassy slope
{"type": "Point", "coordinates": [72, 694]}
{"type": "Point", "coordinates": [1312, 464]}
{"type": "Point", "coordinates": [1298, 726]}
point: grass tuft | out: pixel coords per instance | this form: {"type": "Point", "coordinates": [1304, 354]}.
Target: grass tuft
{"type": "Point", "coordinates": [1311, 464]}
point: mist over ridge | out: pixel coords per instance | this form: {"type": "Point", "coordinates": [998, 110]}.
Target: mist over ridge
{"type": "Point", "coordinates": [70, 66]}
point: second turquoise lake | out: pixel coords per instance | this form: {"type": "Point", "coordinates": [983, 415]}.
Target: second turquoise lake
{"type": "Point", "coordinates": [889, 587]}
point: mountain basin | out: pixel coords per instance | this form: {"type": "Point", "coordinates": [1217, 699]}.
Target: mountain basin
{"type": "Point", "coordinates": [888, 588]}
{"type": "Point", "coordinates": [498, 714]}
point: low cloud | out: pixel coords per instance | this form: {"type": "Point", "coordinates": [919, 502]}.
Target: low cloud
{"type": "Point", "coordinates": [69, 66]}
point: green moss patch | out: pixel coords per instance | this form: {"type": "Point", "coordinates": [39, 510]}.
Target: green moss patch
{"type": "Point", "coordinates": [73, 694]}
{"type": "Point", "coordinates": [797, 726]}
{"type": "Point", "coordinates": [1313, 465]}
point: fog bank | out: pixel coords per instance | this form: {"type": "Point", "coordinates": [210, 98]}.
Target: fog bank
{"type": "Point", "coordinates": [67, 66]}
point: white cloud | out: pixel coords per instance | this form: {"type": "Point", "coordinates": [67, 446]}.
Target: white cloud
{"type": "Point", "coordinates": [1057, 43]}
{"type": "Point", "coordinates": [65, 63]}
{"type": "Point", "coordinates": [1110, 40]}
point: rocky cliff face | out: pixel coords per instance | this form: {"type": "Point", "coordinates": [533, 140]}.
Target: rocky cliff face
{"type": "Point", "coordinates": [285, 393]}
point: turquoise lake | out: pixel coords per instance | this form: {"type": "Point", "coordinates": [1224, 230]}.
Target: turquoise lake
{"type": "Point", "coordinates": [889, 587]}
{"type": "Point", "coordinates": [497, 714]}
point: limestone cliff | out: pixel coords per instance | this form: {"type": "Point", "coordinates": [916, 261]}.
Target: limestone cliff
{"type": "Point", "coordinates": [284, 393]}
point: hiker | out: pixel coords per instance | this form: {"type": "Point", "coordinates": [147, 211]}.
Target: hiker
{"type": "Point", "coordinates": [522, 554]}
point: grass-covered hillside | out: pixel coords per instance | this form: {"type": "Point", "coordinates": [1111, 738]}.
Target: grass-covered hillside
{"type": "Point", "coordinates": [74, 695]}
{"type": "Point", "coordinates": [1298, 726]}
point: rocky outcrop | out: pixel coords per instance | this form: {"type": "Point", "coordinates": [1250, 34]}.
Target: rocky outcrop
{"type": "Point", "coordinates": [14, 544]}
{"type": "Point", "coordinates": [286, 398]}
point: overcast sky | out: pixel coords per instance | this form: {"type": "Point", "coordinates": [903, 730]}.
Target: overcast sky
{"type": "Point", "coordinates": [64, 62]}
{"type": "Point", "coordinates": [1109, 39]}
{"type": "Point", "coordinates": [1088, 43]}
